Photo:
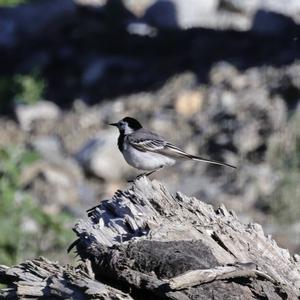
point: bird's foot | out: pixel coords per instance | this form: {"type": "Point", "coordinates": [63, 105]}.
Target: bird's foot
{"type": "Point", "coordinates": [137, 177]}
{"type": "Point", "coordinates": [144, 174]}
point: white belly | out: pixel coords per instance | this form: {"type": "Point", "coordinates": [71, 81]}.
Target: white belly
{"type": "Point", "coordinates": [146, 160]}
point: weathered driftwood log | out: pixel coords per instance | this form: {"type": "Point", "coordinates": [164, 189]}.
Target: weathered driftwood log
{"type": "Point", "coordinates": [147, 244]}
{"type": "Point", "coordinates": [178, 247]}
{"type": "Point", "coordinates": [42, 279]}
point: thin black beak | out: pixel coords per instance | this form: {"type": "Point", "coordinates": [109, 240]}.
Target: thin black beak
{"type": "Point", "coordinates": [113, 124]}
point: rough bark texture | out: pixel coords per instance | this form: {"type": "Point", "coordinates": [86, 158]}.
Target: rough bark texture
{"type": "Point", "coordinates": [42, 279]}
{"type": "Point", "coordinates": [145, 243]}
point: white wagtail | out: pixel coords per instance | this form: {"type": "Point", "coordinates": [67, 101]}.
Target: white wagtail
{"type": "Point", "coordinates": [145, 150]}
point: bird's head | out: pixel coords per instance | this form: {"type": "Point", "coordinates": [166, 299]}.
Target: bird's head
{"type": "Point", "coordinates": [127, 125]}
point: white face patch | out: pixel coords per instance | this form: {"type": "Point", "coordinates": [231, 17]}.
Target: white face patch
{"type": "Point", "coordinates": [123, 126]}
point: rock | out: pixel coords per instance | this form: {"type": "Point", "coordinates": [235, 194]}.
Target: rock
{"type": "Point", "coordinates": [142, 29]}
{"type": "Point", "coordinates": [253, 140]}
{"type": "Point", "coordinates": [138, 7]}
{"type": "Point", "coordinates": [162, 14]}
{"type": "Point", "coordinates": [241, 6]}
{"type": "Point", "coordinates": [10, 133]}
{"type": "Point", "coordinates": [189, 103]}
{"type": "Point", "coordinates": [42, 110]}
{"type": "Point", "coordinates": [271, 23]}
{"type": "Point", "coordinates": [52, 151]}
{"type": "Point", "coordinates": [102, 158]}
{"type": "Point", "coordinates": [49, 147]}
{"type": "Point", "coordinates": [179, 14]}
{"type": "Point", "coordinates": [289, 8]}
{"type": "Point", "coordinates": [53, 186]}
{"type": "Point", "coordinates": [176, 14]}
{"type": "Point", "coordinates": [56, 180]}
{"type": "Point", "coordinates": [55, 190]}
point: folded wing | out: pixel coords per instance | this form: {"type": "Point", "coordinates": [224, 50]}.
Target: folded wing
{"type": "Point", "coordinates": [149, 141]}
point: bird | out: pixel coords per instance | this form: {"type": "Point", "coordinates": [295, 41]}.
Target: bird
{"type": "Point", "coordinates": [148, 151]}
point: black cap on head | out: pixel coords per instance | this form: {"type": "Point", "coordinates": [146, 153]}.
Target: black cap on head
{"type": "Point", "coordinates": [133, 123]}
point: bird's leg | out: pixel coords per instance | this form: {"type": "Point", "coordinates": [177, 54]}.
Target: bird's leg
{"type": "Point", "coordinates": [146, 174]}
{"type": "Point", "coordinates": [149, 173]}
{"type": "Point", "coordinates": [137, 177]}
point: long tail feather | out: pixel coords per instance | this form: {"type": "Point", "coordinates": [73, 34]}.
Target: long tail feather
{"type": "Point", "coordinates": [173, 151]}
{"type": "Point", "coordinates": [197, 158]}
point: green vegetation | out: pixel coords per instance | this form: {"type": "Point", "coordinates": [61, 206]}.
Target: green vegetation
{"type": "Point", "coordinates": [284, 155]}
{"type": "Point", "coordinates": [27, 89]}
{"type": "Point", "coordinates": [12, 2]}
{"type": "Point", "coordinates": [26, 230]}
{"type": "Point", "coordinates": [30, 88]}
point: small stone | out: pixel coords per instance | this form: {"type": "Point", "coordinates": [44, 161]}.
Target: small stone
{"type": "Point", "coordinates": [49, 147]}
{"type": "Point", "coordinates": [178, 13]}
{"type": "Point", "coordinates": [189, 103]}
{"type": "Point", "coordinates": [102, 158]}
{"type": "Point", "coordinates": [43, 110]}
{"type": "Point", "coordinates": [54, 186]}
{"type": "Point", "coordinates": [271, 23]}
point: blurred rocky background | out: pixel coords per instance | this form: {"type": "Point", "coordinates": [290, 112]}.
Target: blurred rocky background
{"type": "Point", "coordinates": [219, 78]}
